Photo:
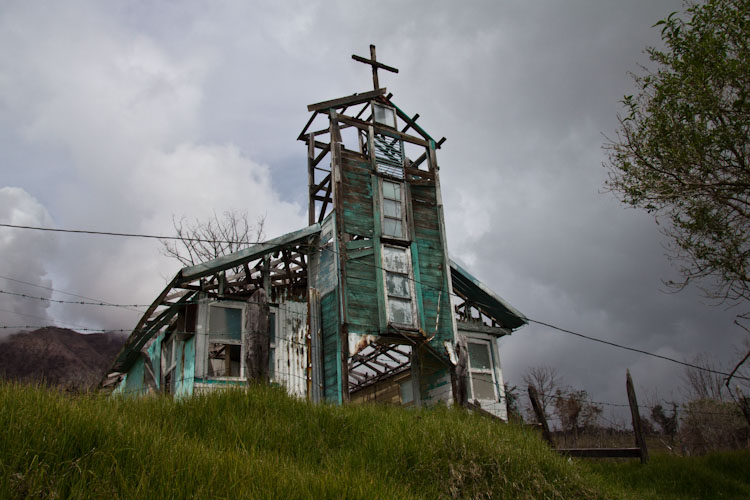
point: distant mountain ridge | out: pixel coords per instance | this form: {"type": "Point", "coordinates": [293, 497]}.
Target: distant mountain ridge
{"type": "Point", "coordinates": [59, 356]}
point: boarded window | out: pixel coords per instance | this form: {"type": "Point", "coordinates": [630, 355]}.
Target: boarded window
{"type": "Point", "coordinates": [389, 155]}
{"type": "Point", "coordinates": [399, 289]}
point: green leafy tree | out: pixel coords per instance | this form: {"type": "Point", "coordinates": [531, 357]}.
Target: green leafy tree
{"type": "Point", "coordinates": [681, 150]}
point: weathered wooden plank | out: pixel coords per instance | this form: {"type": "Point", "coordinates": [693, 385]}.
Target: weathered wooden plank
{"type": "Point", "coordinates": [350, 100]}
{"type": "Point", "coordinates": [600, 452]}
{"type": "Point", "coordinates": [365, 285]}
{"type": "Point", "coordinates": [640, 441]}
{"type": "Point", "coordinates": [358, 244]}
{"type": "Point", "coordinates": [358, 254]}
{"type": "Point", "coordinates": [395, 133]}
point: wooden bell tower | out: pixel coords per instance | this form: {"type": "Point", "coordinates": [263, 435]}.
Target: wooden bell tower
{"type": "Point", "coordinates": [382, 271]}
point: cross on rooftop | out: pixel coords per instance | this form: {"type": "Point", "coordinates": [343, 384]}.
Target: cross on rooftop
{"type": "Point", "coordinates": [372, 61]}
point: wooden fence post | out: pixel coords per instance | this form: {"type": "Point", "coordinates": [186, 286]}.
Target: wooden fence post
{"type": "Point", "coordinates": [640, 442]}
{"type": "Point", "coordinates": [539, 411]}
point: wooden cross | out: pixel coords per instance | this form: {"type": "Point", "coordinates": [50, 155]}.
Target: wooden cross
{"type": "Point", "coordinates": [372, 61]}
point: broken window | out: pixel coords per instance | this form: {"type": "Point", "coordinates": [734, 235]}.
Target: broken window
{"type": "Point", "coordinates": [394, 215]}
{"type": "Point", "coordinates": [481, 369]}
{"type": "Point", "coordinates": [225, 350]}
{"type": "Point", "coordinates": [388, 150]}
{"type": "Point", "coordinates": [168, 363]}
{"type": "Point", "coordinates": [399, 289]}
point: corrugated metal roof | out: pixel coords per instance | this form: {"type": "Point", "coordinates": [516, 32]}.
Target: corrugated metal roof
{"type": "Point", "coordinates": [481, 296]}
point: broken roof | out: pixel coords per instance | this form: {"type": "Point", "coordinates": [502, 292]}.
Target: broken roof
{"type": "Point", "coordinates": [482, 297]}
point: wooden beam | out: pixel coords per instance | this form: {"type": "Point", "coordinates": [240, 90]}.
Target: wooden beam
{"type": "Point", "coordinates": [600, 452]}
{"type": "Point", "coordinates": [470, 326]}
{"type": "Point", "coordinates": [301, 136]}
{"type": "Point", "coordinates": [541, 418]}
{"type": "Point", "coordinates": [383, 130]}
{"type": "Point", "coordinates": [640, 441]}
{"type": "Point", "coordinates": [342, 102]}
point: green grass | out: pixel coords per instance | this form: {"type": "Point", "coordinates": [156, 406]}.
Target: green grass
{"type": "Point", "coordinates": [718, 475]}
{"type": "Point", "coordinates": [264, 444]}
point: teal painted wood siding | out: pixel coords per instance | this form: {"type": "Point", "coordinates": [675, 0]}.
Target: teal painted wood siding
{"type": "Point", "coordinates": [329, 306]}
{"type": "Point", "coordinates": [357, 203]}
{"type": "Point", "coordinates": [361, 287]}
{"type": "Point", "coordinates": [432, 272]}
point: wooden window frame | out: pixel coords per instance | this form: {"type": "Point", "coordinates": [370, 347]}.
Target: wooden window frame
{"type": "Point", "coordinates": [405, 236]}
{"type": "Point", "coordinates": [412, 291]}
{"type": "Point", "coordinates": [226, 341]}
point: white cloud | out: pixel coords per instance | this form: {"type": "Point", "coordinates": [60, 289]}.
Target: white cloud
{"type": "Point", "coordinates": [24, 258]}
{"type": "Point", "coordinates": [124, 111]}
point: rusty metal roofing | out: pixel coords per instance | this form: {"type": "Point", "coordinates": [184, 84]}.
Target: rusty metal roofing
{"type": "Point", "coordinates": [481, 296]}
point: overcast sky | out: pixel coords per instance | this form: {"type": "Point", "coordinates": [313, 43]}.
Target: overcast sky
{"type": "Point", "coordinates": [117, 116]}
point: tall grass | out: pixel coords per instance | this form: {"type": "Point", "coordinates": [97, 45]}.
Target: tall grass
{"type": "Point", "coordinates": [261, 443]}
{"type": "Point", "coordinates": [719, 475]}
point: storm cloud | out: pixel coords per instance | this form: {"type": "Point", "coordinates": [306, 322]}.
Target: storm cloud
{"type": "Point", "coordinates": [116, 118]}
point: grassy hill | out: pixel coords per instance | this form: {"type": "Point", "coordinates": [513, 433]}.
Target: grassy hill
{"type": "Point", "coordinates": [264, 444]}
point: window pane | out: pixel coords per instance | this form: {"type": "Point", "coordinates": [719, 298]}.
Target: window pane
{"type": "Point", "coordinates": [479, 356]}
{"type": "Point", "coordinates": [392, 209]}
{"type": "Point", "coordinates": [397, 285]}
{"type": "Point", "coordinates": [224, 360]}
{"type": "Point", "coordinates": [391, 190]}
{"type": "Point", "coordinates": [384, 115]}
{"type": "Point", "coordinates": [399, 311]}
{"type": "Point", "coordinates": [225, 322]}
{"type": "Point", "coordinates": [394, 259]}
{"type": "Point", "coordinates": [392, 227]}
{"type": "Point", "coordinates": [484, 388]}
{"type": "Point", "coordinates": [407, 395]}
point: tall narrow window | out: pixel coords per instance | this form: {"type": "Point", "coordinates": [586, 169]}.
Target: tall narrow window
{"type": "Point", "coordinates": [399, 289]}
{"type": "Point", "coordinates": [393, 210]}
{"type": "Point", "coordinates": [482, 372]}
{"type": "Point", "coordinates": [389, 151]}
{"type": "Point", "coordinates": [168, 363]}
{"type": "Point", "coordinates": [272, 345]}
{"type": "Point", "coordinates": [225, 356]}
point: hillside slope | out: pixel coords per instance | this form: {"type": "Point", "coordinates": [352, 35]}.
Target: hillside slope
{"type": "Point", "coordinates": [264, 444]}
{"type": "Point", "coordinates": [59, 356]}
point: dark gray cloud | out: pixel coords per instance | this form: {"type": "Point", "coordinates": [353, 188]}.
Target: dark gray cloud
{"type": "Point", "coordinates": [122, 116]}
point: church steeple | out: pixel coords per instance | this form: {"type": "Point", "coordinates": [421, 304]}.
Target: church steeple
{"type": "Point", "coordinates": [378, 196]}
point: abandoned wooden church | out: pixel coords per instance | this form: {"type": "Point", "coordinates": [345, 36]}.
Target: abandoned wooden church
{"type": "Point", "coordinates": [364, 304]}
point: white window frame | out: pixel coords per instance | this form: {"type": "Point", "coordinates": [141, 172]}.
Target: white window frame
{"type": "Point", "coordinates": [410, 279]}
{"type": "Point", "coordinates": [404, 227]}
{"type": "Point", "coordinates": [226, 341]}
{"type": "Point", "coordinates": [491, 370]}
{"type": "Point", "coordinates": [388, 110]}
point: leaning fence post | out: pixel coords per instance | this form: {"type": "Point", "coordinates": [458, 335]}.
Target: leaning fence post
{"type": "Point", "coordinates": [640, 442]}
{"type": "Point", "coordinates": [540, 415]}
